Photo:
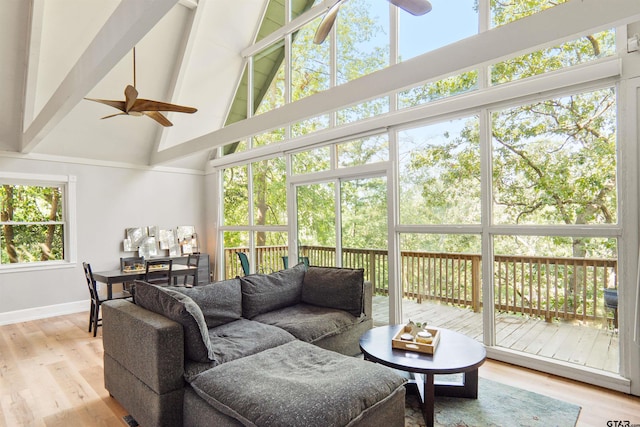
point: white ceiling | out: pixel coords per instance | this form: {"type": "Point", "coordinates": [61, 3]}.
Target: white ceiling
{"type": "Point", "coordinates": [55, 53]}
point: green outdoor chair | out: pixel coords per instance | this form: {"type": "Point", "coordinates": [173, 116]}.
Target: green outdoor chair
{"type": "Point", "coordinates": [244, 261]}
{"type": "Point", "coordinates": [303, 259]}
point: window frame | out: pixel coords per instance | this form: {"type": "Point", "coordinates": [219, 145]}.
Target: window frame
{"type": "Point", "coordinates": [68, 185]}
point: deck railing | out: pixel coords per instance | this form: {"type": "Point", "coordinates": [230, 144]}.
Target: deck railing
{"type": "Point", "coordinates": [543, 287]}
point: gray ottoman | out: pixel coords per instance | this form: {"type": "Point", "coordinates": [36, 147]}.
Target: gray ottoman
{"type": "Point", "coordinates": [296, 384]}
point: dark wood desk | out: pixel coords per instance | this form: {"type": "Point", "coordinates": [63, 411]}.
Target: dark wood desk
{"type": "Point", "coordinates": [455, 353]}
{"type": "Point", "coordinates": [118, 276]}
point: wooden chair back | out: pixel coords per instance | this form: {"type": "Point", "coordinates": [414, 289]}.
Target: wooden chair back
{"type": "Point", "coordinates": [131, 261]}
{"type": "Point", "coordinates": [159, 272]}
{"type": "Point", "coordinates": [193, 260]}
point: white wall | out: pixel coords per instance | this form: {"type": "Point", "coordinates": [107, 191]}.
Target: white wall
{"type": "Point", "coordinates": [109, 199]}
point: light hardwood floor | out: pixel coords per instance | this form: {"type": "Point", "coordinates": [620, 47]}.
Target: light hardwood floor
{"type": "Point", "coordinates": [51, 375]}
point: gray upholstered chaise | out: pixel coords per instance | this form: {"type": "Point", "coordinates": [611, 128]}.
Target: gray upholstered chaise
{"type": "Point", "coordinates": [207, 356]}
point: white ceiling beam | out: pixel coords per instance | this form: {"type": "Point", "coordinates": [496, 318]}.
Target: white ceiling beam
{"type": "Point", "coordinates": [177, 82]}
{"type": "Point", "coordinates": [34, 44]}
{"type": "Point", "coordinates": [562, 22]}
{"type": "Point", "coordinates": [128, 24]}
{"type": "Point", "coordinates": [189, 4]}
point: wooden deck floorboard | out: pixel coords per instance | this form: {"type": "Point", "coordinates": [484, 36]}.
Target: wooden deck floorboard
{"type": "Point", "coordinates": [582, 343]}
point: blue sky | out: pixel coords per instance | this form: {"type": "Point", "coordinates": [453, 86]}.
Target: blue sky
{"type": "Point", "coordinates": [448, 21]}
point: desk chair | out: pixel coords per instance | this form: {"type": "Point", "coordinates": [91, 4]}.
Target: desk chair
{"type": "Point", "coordinates": [244, 262]}
{"type": "Point", "coordinates": [156, 275]}
{"type": "Point", "coordinates": [130, 262]}
{"type": "Point", "coordinates": [96, 300]}
{"type": "Point", "coordinates": [193, 260]}
{"type": "Point", "coordinates": [302, 259]}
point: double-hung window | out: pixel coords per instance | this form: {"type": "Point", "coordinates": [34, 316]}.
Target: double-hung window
{"type": "Point", "coordinates": [36, 220]}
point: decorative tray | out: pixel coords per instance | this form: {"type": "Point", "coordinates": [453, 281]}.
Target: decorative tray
{"type": "Point", "coordinates": [413, 345]}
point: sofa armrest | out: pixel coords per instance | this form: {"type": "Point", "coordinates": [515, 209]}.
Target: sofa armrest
{"type": "Point", "coordinates": [146, 344]}
{"type": "Point", "coordinates": [368, 299]}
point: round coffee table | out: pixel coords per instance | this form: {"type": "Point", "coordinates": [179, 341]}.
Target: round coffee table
{"type": "Point", "coordinates": [455, 353]}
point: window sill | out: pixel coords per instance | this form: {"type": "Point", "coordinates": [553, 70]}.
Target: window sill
{"type": "Point", "coordinates": [36, 266]}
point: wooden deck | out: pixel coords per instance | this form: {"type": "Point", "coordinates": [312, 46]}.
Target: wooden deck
{"type": "Point", "coordinates": [587, 344]}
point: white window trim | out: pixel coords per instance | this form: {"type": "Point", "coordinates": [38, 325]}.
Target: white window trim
{"type": "Point", "coordinates": [68, 182]}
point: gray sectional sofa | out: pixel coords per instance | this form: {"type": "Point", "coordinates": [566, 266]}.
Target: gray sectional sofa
{"type": "Point", "coordinates": [260, 350]}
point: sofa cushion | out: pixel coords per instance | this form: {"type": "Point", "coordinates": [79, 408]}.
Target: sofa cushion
{"type": "Point", "coordinates": [238, 339]}
{"type": "Point", "coordinates": [180, 308]}
{"type": "Point", "coordinates": [299, 385]}
{"type": "Point", "coordinates": [245, 337]}
{"type": "Point", "coordinates": [266, 292]}
{"type": "Point", "coordinates": [333, 287]}
{"type": "Point", "coordinates": [309, 323]}
{"type": "Point", "coordinates": [220, 302]}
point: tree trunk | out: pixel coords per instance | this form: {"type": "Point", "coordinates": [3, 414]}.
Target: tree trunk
{"type": "Point", "coordinates": [7, 215]}
{"type": "Point", "coordinates": [260, 210]}
{"type": "Point", "coordinates": [51, 229]}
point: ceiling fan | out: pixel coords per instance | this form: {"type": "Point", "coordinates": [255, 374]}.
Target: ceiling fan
{"type": "Point", "coordinates": [134, 106]}
{"type": "Point", "coordinates": [414, 7]}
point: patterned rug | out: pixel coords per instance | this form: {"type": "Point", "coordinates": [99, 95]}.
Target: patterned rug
{"type": "Point", "coordinates": [497, 405]}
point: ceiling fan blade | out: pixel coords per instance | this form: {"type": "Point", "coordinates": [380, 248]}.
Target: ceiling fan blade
{"type": "Point", "coordinates": [158, 117]}
{"type": "Point", "coordinates": [120, 105]}
{"type": "Point", "coordinates": [113, 115]}
{"type": "Point", "coordinates": [327, 23]}
{"type": "Point", "coordinates": [414, 7]}
{"type": "Point", "coordinates": [131, 95]}
{"type": "Point", "coordinates": [134, 106]}
{"type": "Point", "coordinates": [143, 105]}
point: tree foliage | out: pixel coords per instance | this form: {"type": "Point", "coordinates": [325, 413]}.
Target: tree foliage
{"type": "Point", "coordinates": [310, 74]}
{"type": "Point", "coordinates": [32, 228]}
{"type": "Point", "coordinates": [553, 161]}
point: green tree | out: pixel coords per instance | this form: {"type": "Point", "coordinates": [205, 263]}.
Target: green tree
{"type": "Point", "coordinates": [310, 74]}
{"type": "Point", "coordinates": [32, 229]}
{"type": "Point", "coordinates": [553, 161]}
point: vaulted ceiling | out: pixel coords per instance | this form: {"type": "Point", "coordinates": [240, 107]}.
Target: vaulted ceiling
{"type": "Point", "coordinates": [56, 53]}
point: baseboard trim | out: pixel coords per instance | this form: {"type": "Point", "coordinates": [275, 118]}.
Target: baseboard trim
{"type": "Point", "coordinates": [43, 312]}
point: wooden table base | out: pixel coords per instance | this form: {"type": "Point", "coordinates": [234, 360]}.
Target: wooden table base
{"type": "Point", "coordinates": [427, 390]}
{"type": "Point", "coordinates": [456, 354]}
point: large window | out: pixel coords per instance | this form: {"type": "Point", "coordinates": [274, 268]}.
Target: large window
{"type": "Point", "coordinates": [34, 220]}
{"type": "Point", "coordinates": [554, 162]}
{"type": "Point", "coordinates": [362, 42]}
{"type": "Point", "coordinates": [491, 194]}
{"type": "Point", "coordinates": [448, 22]}
{"type": "Point", "coordinates": [439, 174]}
{"type": "Point", "coordinates": [365, 36]}
{"type": "Point", "coordinates": [255, 216]}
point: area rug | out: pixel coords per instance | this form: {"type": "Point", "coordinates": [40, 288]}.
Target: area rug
{"type": "Point", "coordinates": [497, 405]}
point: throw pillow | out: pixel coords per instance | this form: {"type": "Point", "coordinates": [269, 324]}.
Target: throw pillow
{"type": "Point", "coordinates": [220, 302]}
{"type": "Point", "coordinates": [262, 293]}
{"type": "Point", "coordinates": [333, 287]}
{"type": "Point", "coordinates": [179, 308]}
